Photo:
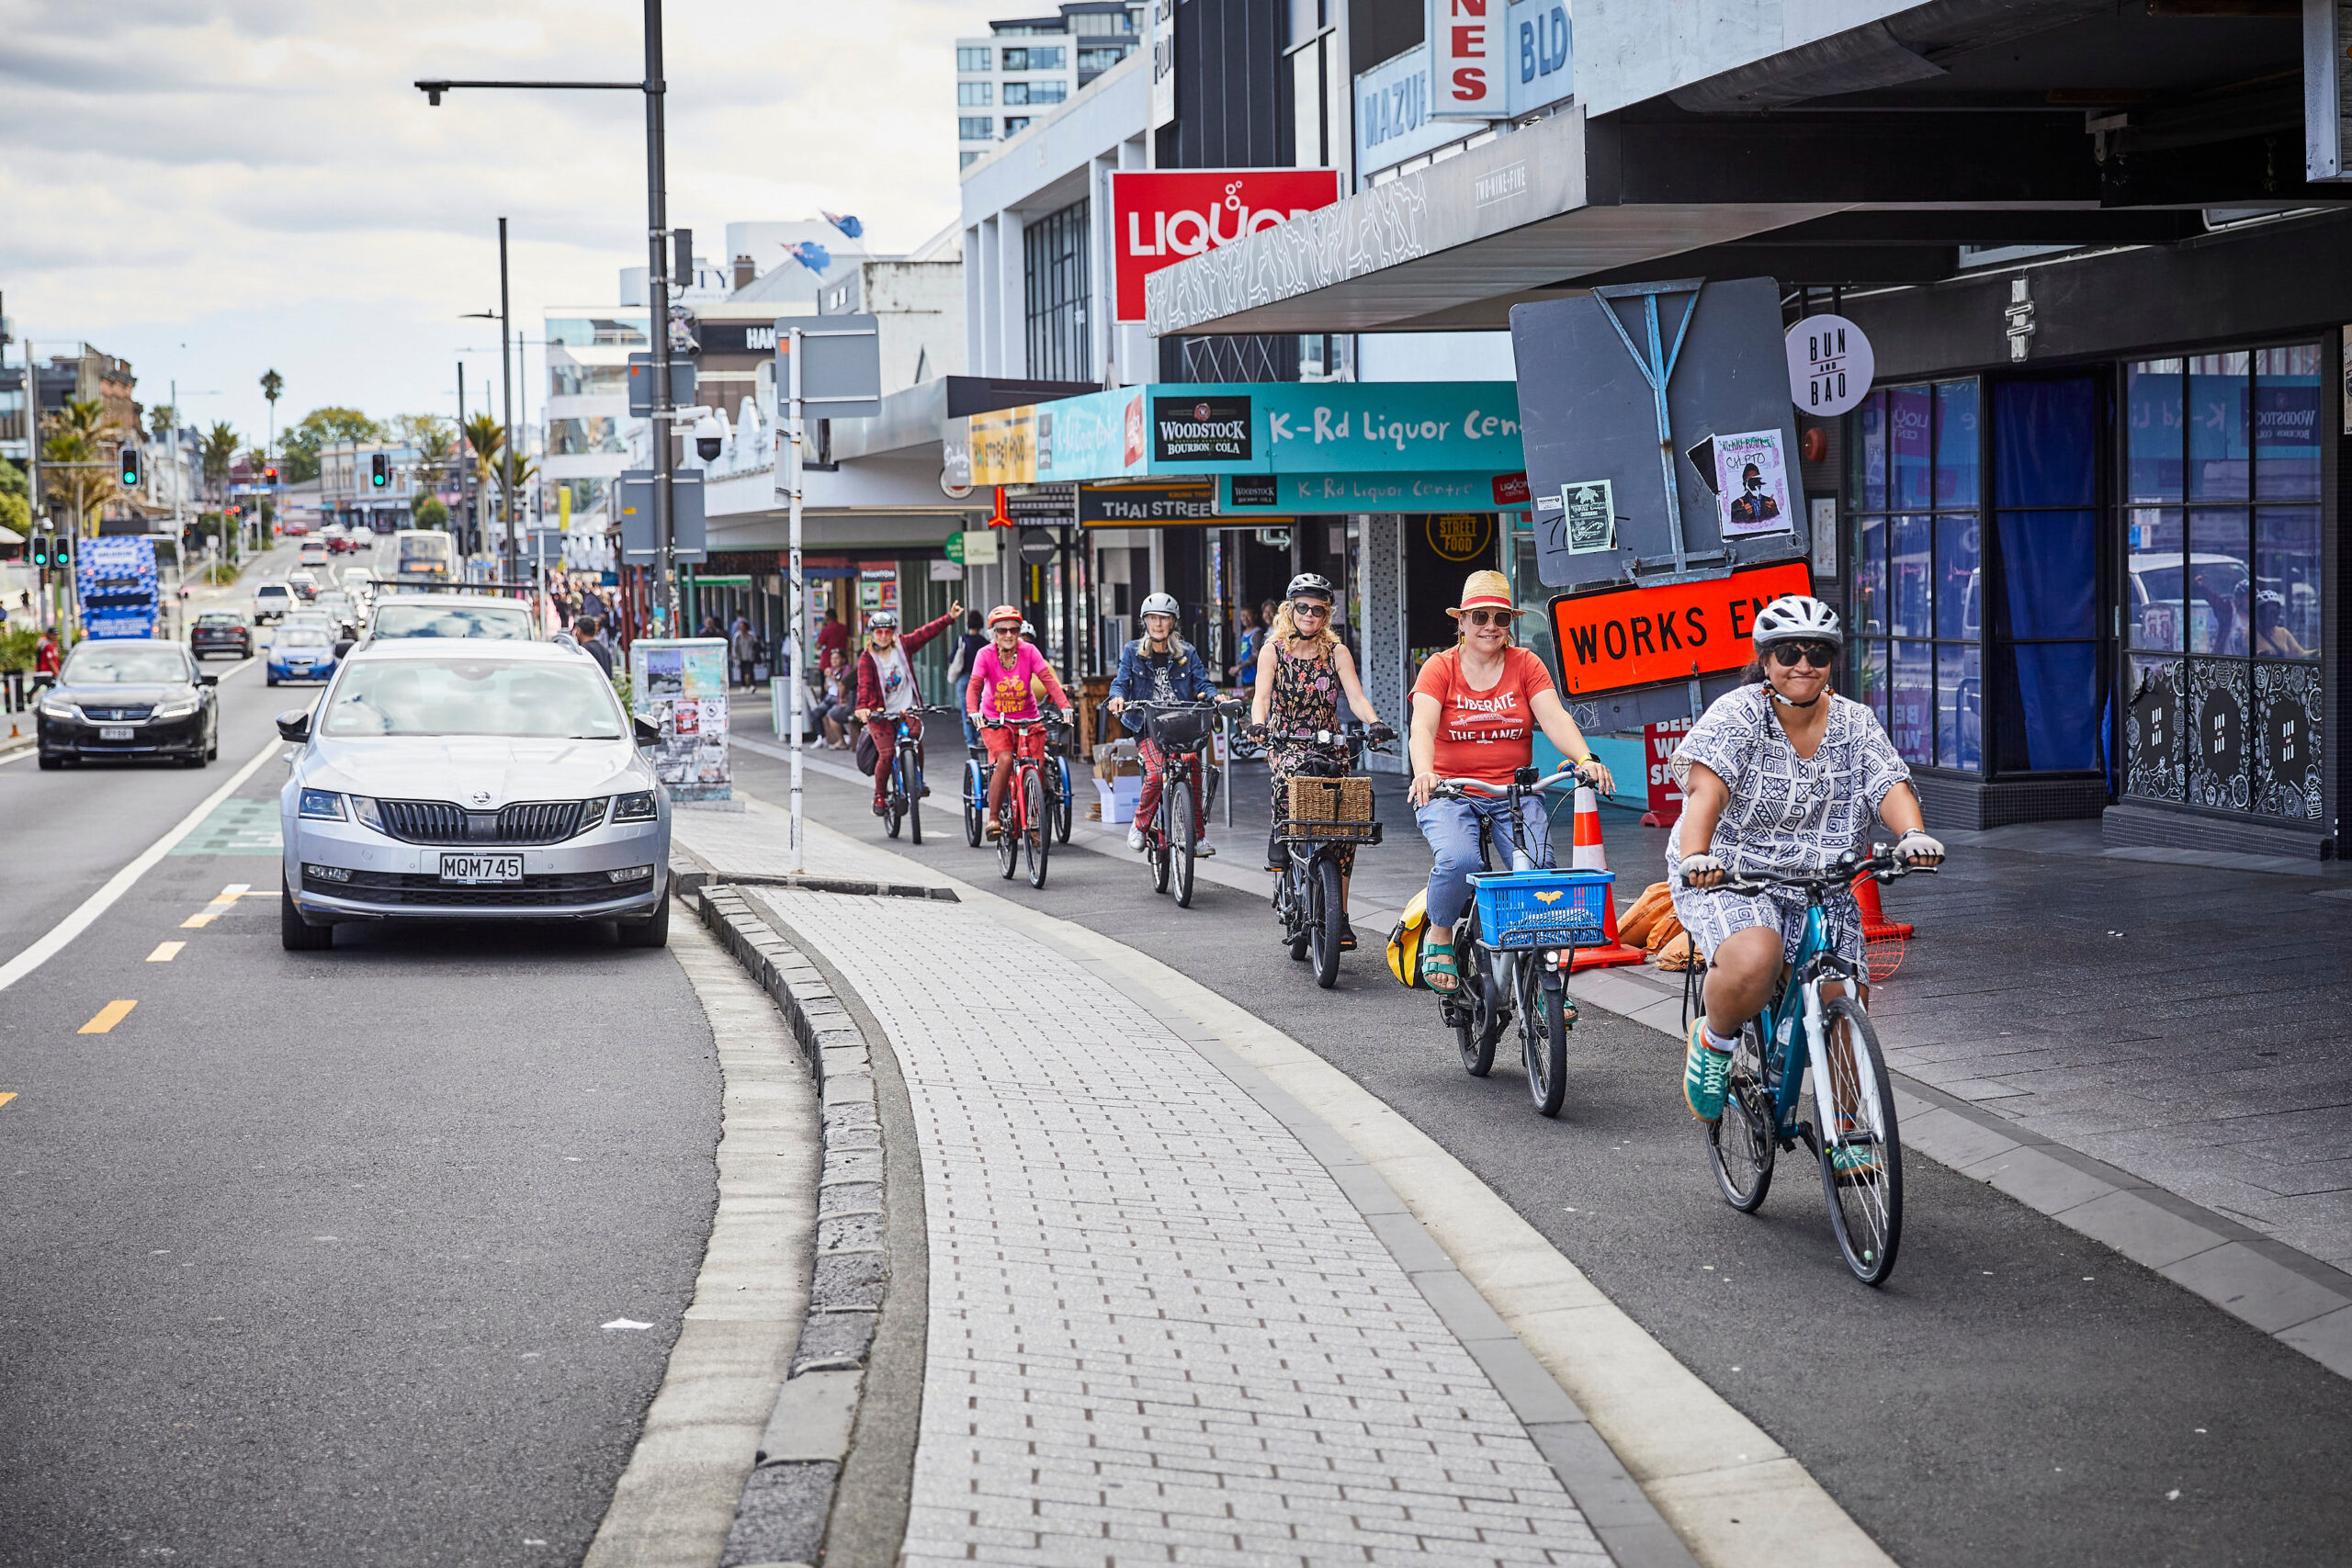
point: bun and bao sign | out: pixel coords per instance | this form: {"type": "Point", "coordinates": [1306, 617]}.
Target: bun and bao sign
{"type": "Point", "coordinates": [1160, 217]}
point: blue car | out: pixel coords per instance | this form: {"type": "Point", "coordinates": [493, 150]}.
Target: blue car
{"type": "Point", "coordinates": [302, 653]}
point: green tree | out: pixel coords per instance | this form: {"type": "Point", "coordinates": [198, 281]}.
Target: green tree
{"type": "Point", "coordinates": [320, 427]}
{"type": "Point", "coordinates": [219, 454]}
{"type": "Point", "coordinates": [431, 513]}
{"type": "Point", "coordinates": [82, 434]}
{"type": "Point", "coordinates": [16, 499]}
{"type": "Point", "coordinates": [162, 418]}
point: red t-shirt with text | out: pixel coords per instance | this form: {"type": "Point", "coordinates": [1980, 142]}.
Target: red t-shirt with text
{"type": "Point", "coordinates": [1485, 735]}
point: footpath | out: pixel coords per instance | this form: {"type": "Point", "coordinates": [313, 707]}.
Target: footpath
{"type": "Point", "coordinates": [1189, 1293]}
{"type": "Point", "coordinates": [2138, 1043]}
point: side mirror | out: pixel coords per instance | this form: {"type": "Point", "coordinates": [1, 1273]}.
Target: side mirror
{"type": "Point", "coordinates": [648, 732]}
{"type": "Point", "coordinates": [208, 680]}
{"type": "Point", "coordinates": [342, 646]}
{"type": "Point", "coordinates": [294, 724]}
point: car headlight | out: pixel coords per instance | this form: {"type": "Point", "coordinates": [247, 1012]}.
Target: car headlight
{"type": "Point", "coordinates": [635, 807]}
{"type": "Point", "coordinates": [364, 810]}
{"type": "Point", "coordinates": [58, 708]}
{"type": "Point", "coordinates": [591, 812]}
{"type": "Point", "coordinates": [180, 709]}
{"type": "Point", "coordinates": [322, 806]}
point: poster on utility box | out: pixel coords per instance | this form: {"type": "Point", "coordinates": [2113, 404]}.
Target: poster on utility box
{"type": "Point", "coordinates": [680, 684]}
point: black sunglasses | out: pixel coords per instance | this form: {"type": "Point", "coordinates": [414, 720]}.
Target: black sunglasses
{"type": "Point", "coordinates": [1820, 655]}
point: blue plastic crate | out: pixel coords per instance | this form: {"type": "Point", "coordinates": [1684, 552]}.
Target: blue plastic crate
{"type": "Point", "coordinates": [1540, 909]}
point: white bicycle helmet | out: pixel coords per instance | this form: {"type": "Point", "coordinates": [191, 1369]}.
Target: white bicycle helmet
{"type": "Point", "coordinates": [883, 620]}
{"type": "Point", "coordinates": [1159, 605]}
{"type": "Point", "coordinates": [1798, 617]}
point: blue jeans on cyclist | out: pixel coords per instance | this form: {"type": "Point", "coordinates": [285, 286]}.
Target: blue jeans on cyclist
{"type": "Point", "coordinates": [1451, 829]}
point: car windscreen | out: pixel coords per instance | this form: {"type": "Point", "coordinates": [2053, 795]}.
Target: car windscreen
{"type": "Point", "coordinates": [455, 695]}
{"type": "Point", "coordinates": [95, 664]}
{"type": "Point", "coordinates": [302, 637]}
{"type": "Point", "coordinates": [425, 618]}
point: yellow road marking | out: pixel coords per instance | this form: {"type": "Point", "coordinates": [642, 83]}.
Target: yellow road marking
{"type": "Point", "coordinates": [165, 952]}
{"type": "Point", "coordinates": [108, 1016]}
{"type": "Point", "coordinates": [7, 1096]}
{"type": "Point", "coordinates": [197, 921]}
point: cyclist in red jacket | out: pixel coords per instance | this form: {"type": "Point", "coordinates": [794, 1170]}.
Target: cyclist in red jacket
{"type": "Point", "coordinates": [886, 686]}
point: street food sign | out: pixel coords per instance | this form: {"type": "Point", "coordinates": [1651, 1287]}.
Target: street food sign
{"type": "Point", "coordinates": [1158, 216]}
{"type": "Point", "coordinates": [1830, 366]}
{"type": "Point", "coordinates": [1624, 637]}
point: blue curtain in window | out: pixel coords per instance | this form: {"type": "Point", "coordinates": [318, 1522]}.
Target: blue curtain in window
{"type": "Point", "coordinates": [2045, 443]}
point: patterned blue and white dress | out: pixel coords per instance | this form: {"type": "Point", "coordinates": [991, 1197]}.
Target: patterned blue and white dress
{"type": "Point", "coordinates": [1787, 813]}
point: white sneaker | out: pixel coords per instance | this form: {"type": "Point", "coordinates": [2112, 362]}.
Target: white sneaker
{"type": "Point", "coordinates": [1135, 836]}
{"type": "Point", "coordinates": [1204, 848]}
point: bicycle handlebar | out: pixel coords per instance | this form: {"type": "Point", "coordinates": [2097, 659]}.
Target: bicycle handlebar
{"type": "Point", "coordinates": [1885, 866]}
{"type": "Point", "coordinates": [1456, 788]}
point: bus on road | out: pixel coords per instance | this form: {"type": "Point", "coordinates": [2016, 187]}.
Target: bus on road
{"type": "Point", "coordinates": [423, 555]}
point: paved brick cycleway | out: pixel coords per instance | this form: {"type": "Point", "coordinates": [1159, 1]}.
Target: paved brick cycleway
{"type": "Point", "coordinates": [1159, 1330]}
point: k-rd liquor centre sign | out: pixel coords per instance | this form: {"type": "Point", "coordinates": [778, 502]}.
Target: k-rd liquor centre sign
{"type": "Point", "coordinates": [1158, 216]}
{"type": "Point", "coordinates": [1624, 637]}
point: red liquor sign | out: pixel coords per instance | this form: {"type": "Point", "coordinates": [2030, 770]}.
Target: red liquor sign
{"type": "Point", "coordinates": [1160, 217]}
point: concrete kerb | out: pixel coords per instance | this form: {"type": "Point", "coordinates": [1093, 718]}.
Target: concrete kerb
{"type": "Point", "coordinates": [2289, 1295]}
{"type": "Point", "coordinates": [788, 1503]}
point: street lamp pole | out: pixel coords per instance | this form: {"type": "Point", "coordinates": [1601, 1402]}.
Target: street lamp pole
{"type": "Point", "coordinates": [506, 397]}
{"type": "Point", "coordinates": [657, 280]}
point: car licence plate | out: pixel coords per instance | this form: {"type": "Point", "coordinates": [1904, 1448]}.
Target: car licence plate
{"type": "Point", "coordinates": [114, 732]}
{"type": "Point", "coordinates": [477, 869]}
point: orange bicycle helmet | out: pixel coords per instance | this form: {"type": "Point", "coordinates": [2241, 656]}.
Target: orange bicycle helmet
{"type": "Point", "coordinates": [1003, 612]}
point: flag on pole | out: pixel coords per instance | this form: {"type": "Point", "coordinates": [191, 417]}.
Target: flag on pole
{"type": "Point", "coordinates": [810, 254]}
{"type": "Point", "coordinates": [847, 224]}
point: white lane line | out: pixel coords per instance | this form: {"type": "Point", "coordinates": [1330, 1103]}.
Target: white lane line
{"type": "Point", "coordinates": [53, 942]}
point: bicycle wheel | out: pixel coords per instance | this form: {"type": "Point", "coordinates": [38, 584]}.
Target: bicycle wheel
{"type": "Point", "coordinates": [1745, 1140]}
{"type": "Point", "coordinates": [1324, 916]}
{"type": "Point", "coordinates": [1291, 903]}
{"type": "Point", "coordinates": [1543, 1038]}
{"type": "Point", "coordinates": [975, 796]}
{"type": "Point", "coordinates": [1180, 836]}
{"type": "Point", "coordinates": [1864, 1190]}
{"type": "Point", "coordinates": [1061, 804]}
{"type": "Point", "coordinates": [894, 797]}
{"type": "Point", "coordinates": [1474, 1034]}
{"type": "Point", "coordinates": [1008, 838]}
{"type": "Point", "coordinates": [912, 774]}
{"type": "Point", "coordinates": [1038, 831]}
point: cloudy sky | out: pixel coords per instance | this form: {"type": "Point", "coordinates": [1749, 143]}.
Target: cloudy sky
{"type": "Point", "coordinates": [210, 188]}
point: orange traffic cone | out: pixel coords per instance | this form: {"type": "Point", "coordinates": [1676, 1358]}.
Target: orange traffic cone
{"type": "Point", "coordinates": [1590, 855]}
{"type": "Point", "coordinates": [1884, 941]}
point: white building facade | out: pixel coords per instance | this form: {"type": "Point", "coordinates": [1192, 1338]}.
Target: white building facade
{"type": "Point", "coordinates": [1026, 67]}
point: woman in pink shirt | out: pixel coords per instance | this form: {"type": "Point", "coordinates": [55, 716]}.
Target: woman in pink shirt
{"type": "Point", "coordinates": [1002, 674]}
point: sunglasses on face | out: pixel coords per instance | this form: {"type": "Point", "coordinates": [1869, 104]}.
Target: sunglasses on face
{"type": "Point", "coordinates": [1819, 655]}
{"type": "Point", "coordinates": [1487, 618]}
{"type": "Point", "coordinates": [1309, 607]}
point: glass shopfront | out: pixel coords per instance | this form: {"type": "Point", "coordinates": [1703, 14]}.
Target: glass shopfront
{"type": "Point", "coordinates": [2221, 534]}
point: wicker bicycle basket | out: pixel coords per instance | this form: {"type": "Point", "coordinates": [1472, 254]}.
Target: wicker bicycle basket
{"type": "Point", "coordinates": [1329, 808]}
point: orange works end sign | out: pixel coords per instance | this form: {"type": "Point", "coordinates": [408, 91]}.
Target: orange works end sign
{"type": "Point", "coordinates": [1646, 637]}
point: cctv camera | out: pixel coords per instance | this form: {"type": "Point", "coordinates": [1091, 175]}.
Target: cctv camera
{"type": "Point", "coordinates": [709, 436]}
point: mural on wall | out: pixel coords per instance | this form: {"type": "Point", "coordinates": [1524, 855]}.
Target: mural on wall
{"type": "Point", "coordinates": [2155, 767]}
{"type": "Point", "coordinates": [2217, 748]}
{"type": "Point", "coordinates": [2287, 740]}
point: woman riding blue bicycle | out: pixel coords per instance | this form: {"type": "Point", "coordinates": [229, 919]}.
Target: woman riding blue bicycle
{"type": "Point", "coordinates": [1778, 776]}
{"type": "Point", "coordinates": [1161, 667]}
{"type": "Point", "coordinates": [1476, 709]}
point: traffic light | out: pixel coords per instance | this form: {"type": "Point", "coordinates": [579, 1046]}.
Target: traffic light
{"type": "Point", "coordinates": [41, 549]}
{"type": "Point", "coordinates": [379, 470]}
{"type": "Point", "coordinates": [269, 475]}
{"type": "Point", "coordinates": [61, 555]}
{"type": "Point", "coordinates": [130, 468]}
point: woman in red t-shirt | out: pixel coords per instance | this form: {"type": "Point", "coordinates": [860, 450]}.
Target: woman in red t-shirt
{"type": "Point", "coordinates": [1475, 710]}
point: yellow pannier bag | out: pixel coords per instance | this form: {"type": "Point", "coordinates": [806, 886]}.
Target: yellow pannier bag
{"type": "Point", "coordinates": [1405, 940]}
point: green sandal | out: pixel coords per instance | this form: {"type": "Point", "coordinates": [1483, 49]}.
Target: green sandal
{"type": "Point", "coordinates": [1437, 961]}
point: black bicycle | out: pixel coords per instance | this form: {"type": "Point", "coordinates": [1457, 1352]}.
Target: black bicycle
{"type": "Point", "coordinates": [1309, 897]}
{"type": "Point", "coordinates": [1171, 837]}
{"type": "Point", "coordinates": [902, 792]}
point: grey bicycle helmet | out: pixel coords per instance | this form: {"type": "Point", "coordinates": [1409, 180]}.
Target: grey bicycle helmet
{"type": "Point", "coordinates": [1311, 585]}
{"type": "Point", "coordinates": [1159, 605]}
{"type": "Point", "coordinates": [1798, 617]}
{"type": "Point", "coordinates": [882, 621]}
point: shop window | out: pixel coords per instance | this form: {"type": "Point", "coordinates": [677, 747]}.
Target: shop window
{"type": "Point", "coordinates": [1916, 583]}
{"type": "Point", "coordinates": [2225, 592]}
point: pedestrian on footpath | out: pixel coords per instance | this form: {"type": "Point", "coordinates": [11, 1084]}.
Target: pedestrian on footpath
{"type": "Point", "coordinates": [745, 646]}
{"type": "Point", "coordinates": [887, 694]}
{"type": "Point", "coordinates": [589, 633]}
{"type": "Point", "coordinates": [832, 637]}
{"type": "Point", "coordinates": [46, 657]}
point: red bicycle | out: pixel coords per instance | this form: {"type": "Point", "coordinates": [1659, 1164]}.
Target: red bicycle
{"type": "Point", "coordinates": [1028, 827]}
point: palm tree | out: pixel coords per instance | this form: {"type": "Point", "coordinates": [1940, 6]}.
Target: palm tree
{"type": "Point", "coordinates": [218, 454]}
{"type": "Point", "coordinates": [78, 446]}
{"type": "Point", "coordinates": [272, 384]}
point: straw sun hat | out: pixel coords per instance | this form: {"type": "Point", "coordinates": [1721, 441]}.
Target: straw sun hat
{"type": "Point", "coordinates": [1485, 590]}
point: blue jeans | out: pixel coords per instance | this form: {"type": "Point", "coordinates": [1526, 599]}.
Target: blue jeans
{"type": "Point", "coordinates": [1451, 829]}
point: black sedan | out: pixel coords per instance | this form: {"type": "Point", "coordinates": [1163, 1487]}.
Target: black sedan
{"type": "Point", "coordinates": [221, 631]}
{"type": "Point", "coordinates": [132, 697]}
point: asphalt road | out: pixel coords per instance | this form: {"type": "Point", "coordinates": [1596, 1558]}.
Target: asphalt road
{"type": "Point", "coordinates": [2015, 1394]}
{"type": "Point", "coordinates": [308, 1257]}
